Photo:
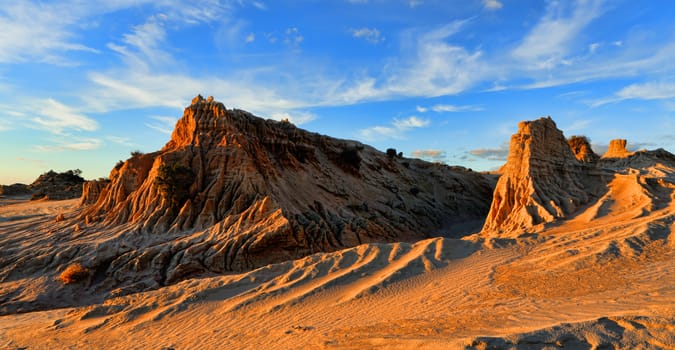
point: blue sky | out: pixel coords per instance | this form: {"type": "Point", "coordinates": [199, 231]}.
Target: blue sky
{"type": "Point", "coordinates": [83, 83]}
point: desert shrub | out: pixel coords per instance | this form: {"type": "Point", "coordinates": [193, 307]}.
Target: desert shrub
{"type": "Point", "coordinates": [136, 153]}
{"type": "Point", "coordinates": [173, 181]}
{"type": "Point", "coordinates": [391, 152]}
{"type": "Point", "coordinates": [74, 273]}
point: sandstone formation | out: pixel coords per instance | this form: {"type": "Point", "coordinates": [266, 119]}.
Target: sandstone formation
{"type": "Point", "coordinates": [617, 149]}
{"type": "Point", "coordinates": [582, 150]}
{"type": "Point", "coordinates": [547, 178]}
{"type": "Point", "coordinates": [232, 192]}
{"type": "Point", "coordinates": [542, 180]}
{"type": "Point", "coordinates": [92, 190]}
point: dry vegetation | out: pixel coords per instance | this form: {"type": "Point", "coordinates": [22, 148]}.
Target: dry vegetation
{"type": "Point", "coordinates": [74, 273]}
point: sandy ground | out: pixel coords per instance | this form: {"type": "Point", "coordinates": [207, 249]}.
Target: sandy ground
{"type": "Point", "coordinates": [604, 279]}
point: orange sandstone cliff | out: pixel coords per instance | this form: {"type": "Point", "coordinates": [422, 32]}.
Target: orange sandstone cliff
{"type": "Point", "coordinates": [232, 192]}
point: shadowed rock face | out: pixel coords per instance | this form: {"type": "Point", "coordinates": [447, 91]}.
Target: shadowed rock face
{"type": "Point", "coordinates": [541, 181]}
{"type": "Point", "coordinates": [254, 192]}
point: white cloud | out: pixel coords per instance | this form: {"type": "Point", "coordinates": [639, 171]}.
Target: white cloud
{"type": "Point", "coordinates": [644, 91]}
{"type": "Point", "coordinates": [293, 37]}
{"type": "Point", "coordinates": [371, 35]}
{"type": "Point", "coordinates": [79, 145]}
{"type": "Point", "coordinates": [436, 68]}
{"type": "Point", "coordinates": [415, 3]}
{"type": "Point", "coordinates": [454, 108]}
{"type": "Point", "coordinates": [648, 91]}
{"type": "Point", "coordinates": [143, 44]}
{"type": "Point", "coordinates": [593, 47]}
{"type": "Point", "coordinates": [5, 125]}
{"type": "Point", "coordinates": [57, 117]}
{"type": "Point", "coordinates": [162, 124]}
{"type": "Point", "coordinates": [421, 109]}
{"type": "Point", "coordinates": [435, 155]}
{"type": "Point", "coordinates": [396, 130]}
{"type": "Point", "coordinates": [250, 38]}
{"type": "Point", "coordinates": [410, 122]}
{"type": "Point", "coordinates": [550, 41]}
{"type": "Point", "coordinates": [492, 4]}
{"type": "Point", "coordinates": [120, 140]}
{"type": "Point", "coordinates": [497, 154]}
{"type": "Point", "coordinates": [46, 31]}
{"type": "Point", "coordinates": [37, 32]}
{"type": "Point", "coordinates": [578, 125]}
{"type": "Point", "coordinates": [294, 117]}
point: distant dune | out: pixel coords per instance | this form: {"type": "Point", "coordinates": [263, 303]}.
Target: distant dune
{"type": "Point", "coordinates": [284, 239]}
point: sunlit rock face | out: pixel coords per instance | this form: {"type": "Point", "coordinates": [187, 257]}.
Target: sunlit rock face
{"type": "Point", "coordinates": [231, 192]}
{"type": "Point", "coordinates": [542, 180]}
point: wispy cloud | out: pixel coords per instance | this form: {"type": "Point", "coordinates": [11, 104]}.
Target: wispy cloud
{"type": "Point", "coordinates": [550, 41]}
{"type": "Point", "coordinates": [56, 117]}
{"type": "Point", "coordinates": [78, 145]}
{"type": "Point", "coordinates": [644, 91]}
{"type": "Point", "coordinates": [492, 4]}
{"type": "Point", "coordinates": [163, 124]}
{"type": "Point", "coordinates": [415, 3]}
{"type": "Point", "coordinates": [5, 125]}
{"type": "Point", "coordinates": [435, 155]}
{"type": "Point", "coordinates": [37, 32]}
{"type": "Point", "coordinates": [371, 35]}
{"type": "Point", "coordinates": [294, 117]}
{"type": "Point", "coordinates": [497, 154]}
{"type": "Point", "coordinates": [578, 125]}
{"type": "Point", "coordinates": [455, 108]}
{"type": "Point", "coordinates": [293, 37]}
{"type": "Point", "coordinates": [436, 68]}
{"type": "Point", "coordinates": [396, 130]}
{"type": "Point", "coordinates": [142, 47]}
{"type": "Point", "coordinates": [120, 140]}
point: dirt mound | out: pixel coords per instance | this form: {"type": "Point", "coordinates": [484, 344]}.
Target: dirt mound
{"type": "Point", "coordinates": [57, 186]}
{"type": "Point", "coordinates": [15, 190]}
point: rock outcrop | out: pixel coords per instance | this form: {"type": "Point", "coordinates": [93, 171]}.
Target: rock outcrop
{"type": "Point", "coordinates": [93, 190]}
{"type": "Point", "coordinates": [617, 149]}
{"type": "Point", "coordinates": [15, 190]}
{"type": "Point", "coordinates": [49, 186]}
{"type": "Point", "coordinates": [57, 186]}
{"type": "Point", "coordinates": [582, 150]}
{"type": "Point", "coordinates": [542, 180]}
{"type": "Point", "coordinates": [232, 192]}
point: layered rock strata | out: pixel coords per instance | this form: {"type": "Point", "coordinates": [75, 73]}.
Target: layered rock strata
{"type": "Point", "coordinates": [542, 180]}
{"type": "Point", "coordinates": [617, 149]}
{"type": "Point", "coordinates": [232, 192]}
